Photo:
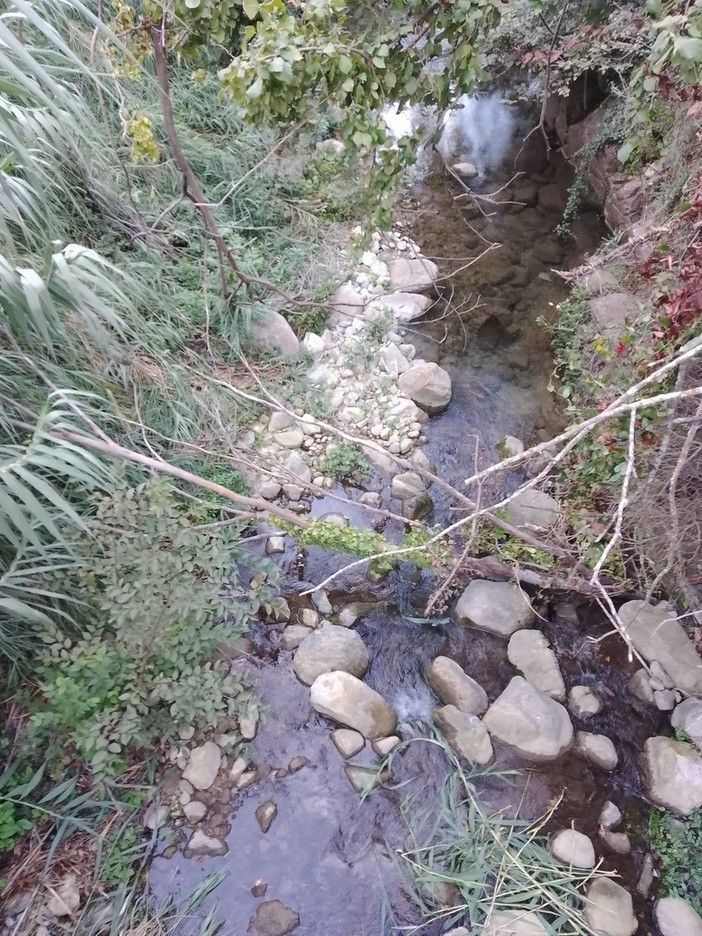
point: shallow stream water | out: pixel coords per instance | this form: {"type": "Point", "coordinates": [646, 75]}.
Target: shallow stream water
{"type": "Point", "coordinates": [331, 857]}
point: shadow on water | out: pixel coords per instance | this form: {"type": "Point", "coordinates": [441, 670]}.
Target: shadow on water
{"type": "Point", "coordinates": [328, 855]}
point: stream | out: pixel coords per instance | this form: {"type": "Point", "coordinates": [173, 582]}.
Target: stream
{"type": "Point", "coordinates": [329, 855]}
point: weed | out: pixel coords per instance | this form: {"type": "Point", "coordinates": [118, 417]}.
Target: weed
{"type": "Point", "coordinates": [343, 461]}
{"type": "Point", "coordinates": [677, 842]}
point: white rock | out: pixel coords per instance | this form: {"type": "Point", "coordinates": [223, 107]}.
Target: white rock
{"type": "Point", "coordinates": [347, 302]}
{"type": "Point", "coordinates": [297, 467]}
{"type": "Point", "coordinates": [465, 733]}
{"type": "Point", "coordinates": [248, 724]}
{"type": "Point", "coordinates": [532, 508]}
{"type": "Point", "coordinates": [640, 686]}
{"type": "Point", "coordinates": [156, 816]}
{"type": "Point", "coordinates": [675, 917]}
{"type": "Point", "coordinates": [688, 718]}
{"type": "Point", "coordinates": [497, 607]}
{"type": "Point", "coordinates": [269, 490]}
{"type": "Point", "coordinates": [279, 420]}
{"type": "Point", "coordinates": [609, 909]}
{"type": "Point", "coordinates": [674, 774]}
{"type": "Point", "coordinates": [322, 376]}
{"type": "Point", "coordinates": [610, 816]}
{"type": "Point", "coordinates": [573, 848]}
{"type": "Point", "coordinates": [529, 652]}
{"type": "Point", "coordinates": [321, 601]}
{"type": "Point", "coordinates": [404, 307]}
{"type": "Point", "coordinates": [427, 385]}
{"type": "Point", "coordinates": [329, 649]}
{"type": "Point", "coordinates": [455, 687]}
{"type": "Point", "coordinates": [314, 344]}
{"type": "Point", "coordinates": [529, 722]}
{"type": "Point", "coordinates": [383, 746]}
{"type": "Point", "coordinates": [293, 635]}
{"type": "Point", "coordinates": [275, 544]}
{"type": "Point", "coordinates": [203, 765]}
{"type": "Point", "coordinates": [271, 332]}
{"type": "Point", "coordinates": [513, 923]}
{"type": "Point", "coordinates": [347, 742]}
{"type": "Point", "coordinates": [65, 899]}
{"type": "Point", "coordinates": [583, 702]}
{"type": "Point", "coordinates": [465, 169]}
{"type": "Point", "coordinates": [512, 445]}
{"type": "Point", "coordinates": [617, 841]}
{"type": "Point", "coordinates": [308, 617]}
{"type": "Point", "coordinates": [200, 843]}
{"type": "Point", "coordinates": [293, 492]}
{"type": "Point", "coordinates": [370, 499]}
{"type": "Point", "coordinates": [657, 635]}
{"type": "Point", "coordinates": [194, 811]}
{"type": "Point", "coordinates": [407, 275]}
{"type": "Point", "coordinates": [347, 700]}
{"type": "Point", "coordinates": [393, 360]}
{"type": "Point", "coordinates": [597, 748]}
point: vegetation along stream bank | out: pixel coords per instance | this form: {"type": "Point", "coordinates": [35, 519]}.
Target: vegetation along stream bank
{"type": "Point", "coordinates": [350, 431]}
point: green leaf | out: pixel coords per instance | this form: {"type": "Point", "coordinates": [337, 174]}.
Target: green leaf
{"type": "Point", "coordinates": [251, 8]}
{"type": "Point", "coordinates": [688, 49]}
{"type": "Point", "coordinates": [345, 64]}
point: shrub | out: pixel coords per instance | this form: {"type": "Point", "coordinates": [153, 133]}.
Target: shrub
{"type": "Point", "coordinates": [164, 592]}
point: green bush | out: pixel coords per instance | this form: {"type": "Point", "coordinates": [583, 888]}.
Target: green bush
{"type": "Point", "coordinates": [343, 460]}
{"type": "Point", "coordinates": [164, 593]}
{"type": "Point", "coordinates": [677, 843]}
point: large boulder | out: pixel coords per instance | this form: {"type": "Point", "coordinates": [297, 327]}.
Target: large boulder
{"type": "Point", "coordinates": [328, 649]}
{"type": "Point", "coordinates": [271, 332]}
{"type": "Point", "coordinates": [673, 773]}
{"type": "Point", "coordinates": [465, 733]}
{"type": "Point", "coordinates": [688, 718]}
{"type": "Point", "coordinates": [675, 917]}
{"type": "Point", "coordinates": [455, 687]}
{"type": "Point", "coordinates": [609, 909]}
{"type": "Point", "coordinates": [529, 652]}
{"type": "Point", "coordinates": [412, 274]}
{"type": "Point", "coordinates": [350, 702]}
{"type": "Point", "coordinates": [658, 635]}
{"type": "Point", "coordinates": [427, 385]}
{"type": "Point", "coordinates": [529, 722]}
{"type": "Point", "coordinates": [532, 508]}
{"type": "Point", "coordinates": [404, 307]}
{"type": "Point", "coordinates": [497, 607]}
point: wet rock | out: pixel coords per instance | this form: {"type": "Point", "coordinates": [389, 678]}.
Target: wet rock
{"type": "Point", "coordinates": [427, 385]}
{"type": "Point", "coordinates": [248, 724]}
{"type": "Point", "coordinates": [194, 811]}
{"type": "Point", "coordinates": [529, 652]}
{"type": "Point", "coordinates": [293, 492]}
{"type": "Point", "coordinates": [383, 746]}
{"type": "Point", "coordinates": [293, 635]}
{"type": "Point", "coordinates": [573, 848]}
{"type": "Point", "coordinates": [455, 687]}
{"type": "Point", "coordinates": [345, 699]}
{"type": "Point", "coordinates": [370, 499]}
{"type": "Point", "coordinates": [660, 676]}
{"type": "Point", "coordinates": [674, 774]}
{"type": "Point", "coordinates": [512, 446]}
{"type": "Point", "coordinates": [609, 909]}
{"type": "Point", "coordinates": [275, 544]}
{"type": "Point", "coordinates": [246, 779]}
{"type": "Point", "coordinates": [514, 923]}
{"type": "Point", "coordinates": [364, 779]}
{"type": "Point", "coordinates": [497, 607]}
{"type": "Point", "coordinates": [610, 816]}
{"type": "Point", "coordinates": [237, 769]}
{"type": "Point", "coordinates": [289, 438]}
{"type": "Point", "coordinates": [259, 888]}
{"type": "Point", "coordinates": [265, 814]}
{"type": "Point", "coordinates": [534, 509]}
{"type": "Point", "coordinates": [646, 878]}
{"type": "Point", "coordinates": [406, 486]}
{"type": "Point", "coordinates": [298, 763]}
{"type": "Point", "coordinates": [640, 686]}
{"type": "Point", "coordinates": [529, 722]}
{"type": "Point", "coordinates": [338, 519]}
{"type": "Point", "coordinates": [688, 718]}
{"type": "Point", "coordinates": [273, 918]}
{"type": "Point", "coordinates": [675, 917]}
{"type": "Point", "coordinates": [271, 332]}
{"type": "Point", "coordinates": [404, 307]}
{"type": "Point", "coordinates": [200, 843]}
{"type": "Point", "coordinates": [617, 841]}
{"type": "Point", "coordinates": [298, 467]}
{"type": "Point", "coordinates": [657, 635]}
{"type": "Point", "coordinates": [321, 601]}
{"type": "Point", "coordinates": [412, 275]}
{"type": "Point", "coordinates": [203, 766]}
{"type": "Point", "coordinates": [347, 742]}
{"type": "Point", "coordinates": [465, 733]}
{"type": "Point", "coordinates": [382, 461]}
{"type": "Point", "coordinates": [583, 702]}
{"type": "Point", "coordinates": [308, 617]}
{"type": "Point", "coordinates": [156, 816]}
{"type": "Point", "coordinates": [597, 748]}
{"type": "Point", "coordinates": [328, 649]}
{"type": "Point", "coordinates": [664, 699]}
{"type": "Point", "coordinates": [65, 899]}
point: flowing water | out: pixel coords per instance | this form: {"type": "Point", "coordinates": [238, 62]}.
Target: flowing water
{"type": "Point", "coordinates": [329, 856]}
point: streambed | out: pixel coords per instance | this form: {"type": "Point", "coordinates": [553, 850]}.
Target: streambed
{"type": "Point", "coordinates": [328, 855]}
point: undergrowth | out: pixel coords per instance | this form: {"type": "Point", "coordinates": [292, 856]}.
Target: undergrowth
{"type": "Point", "coordinates": [676, 841]}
